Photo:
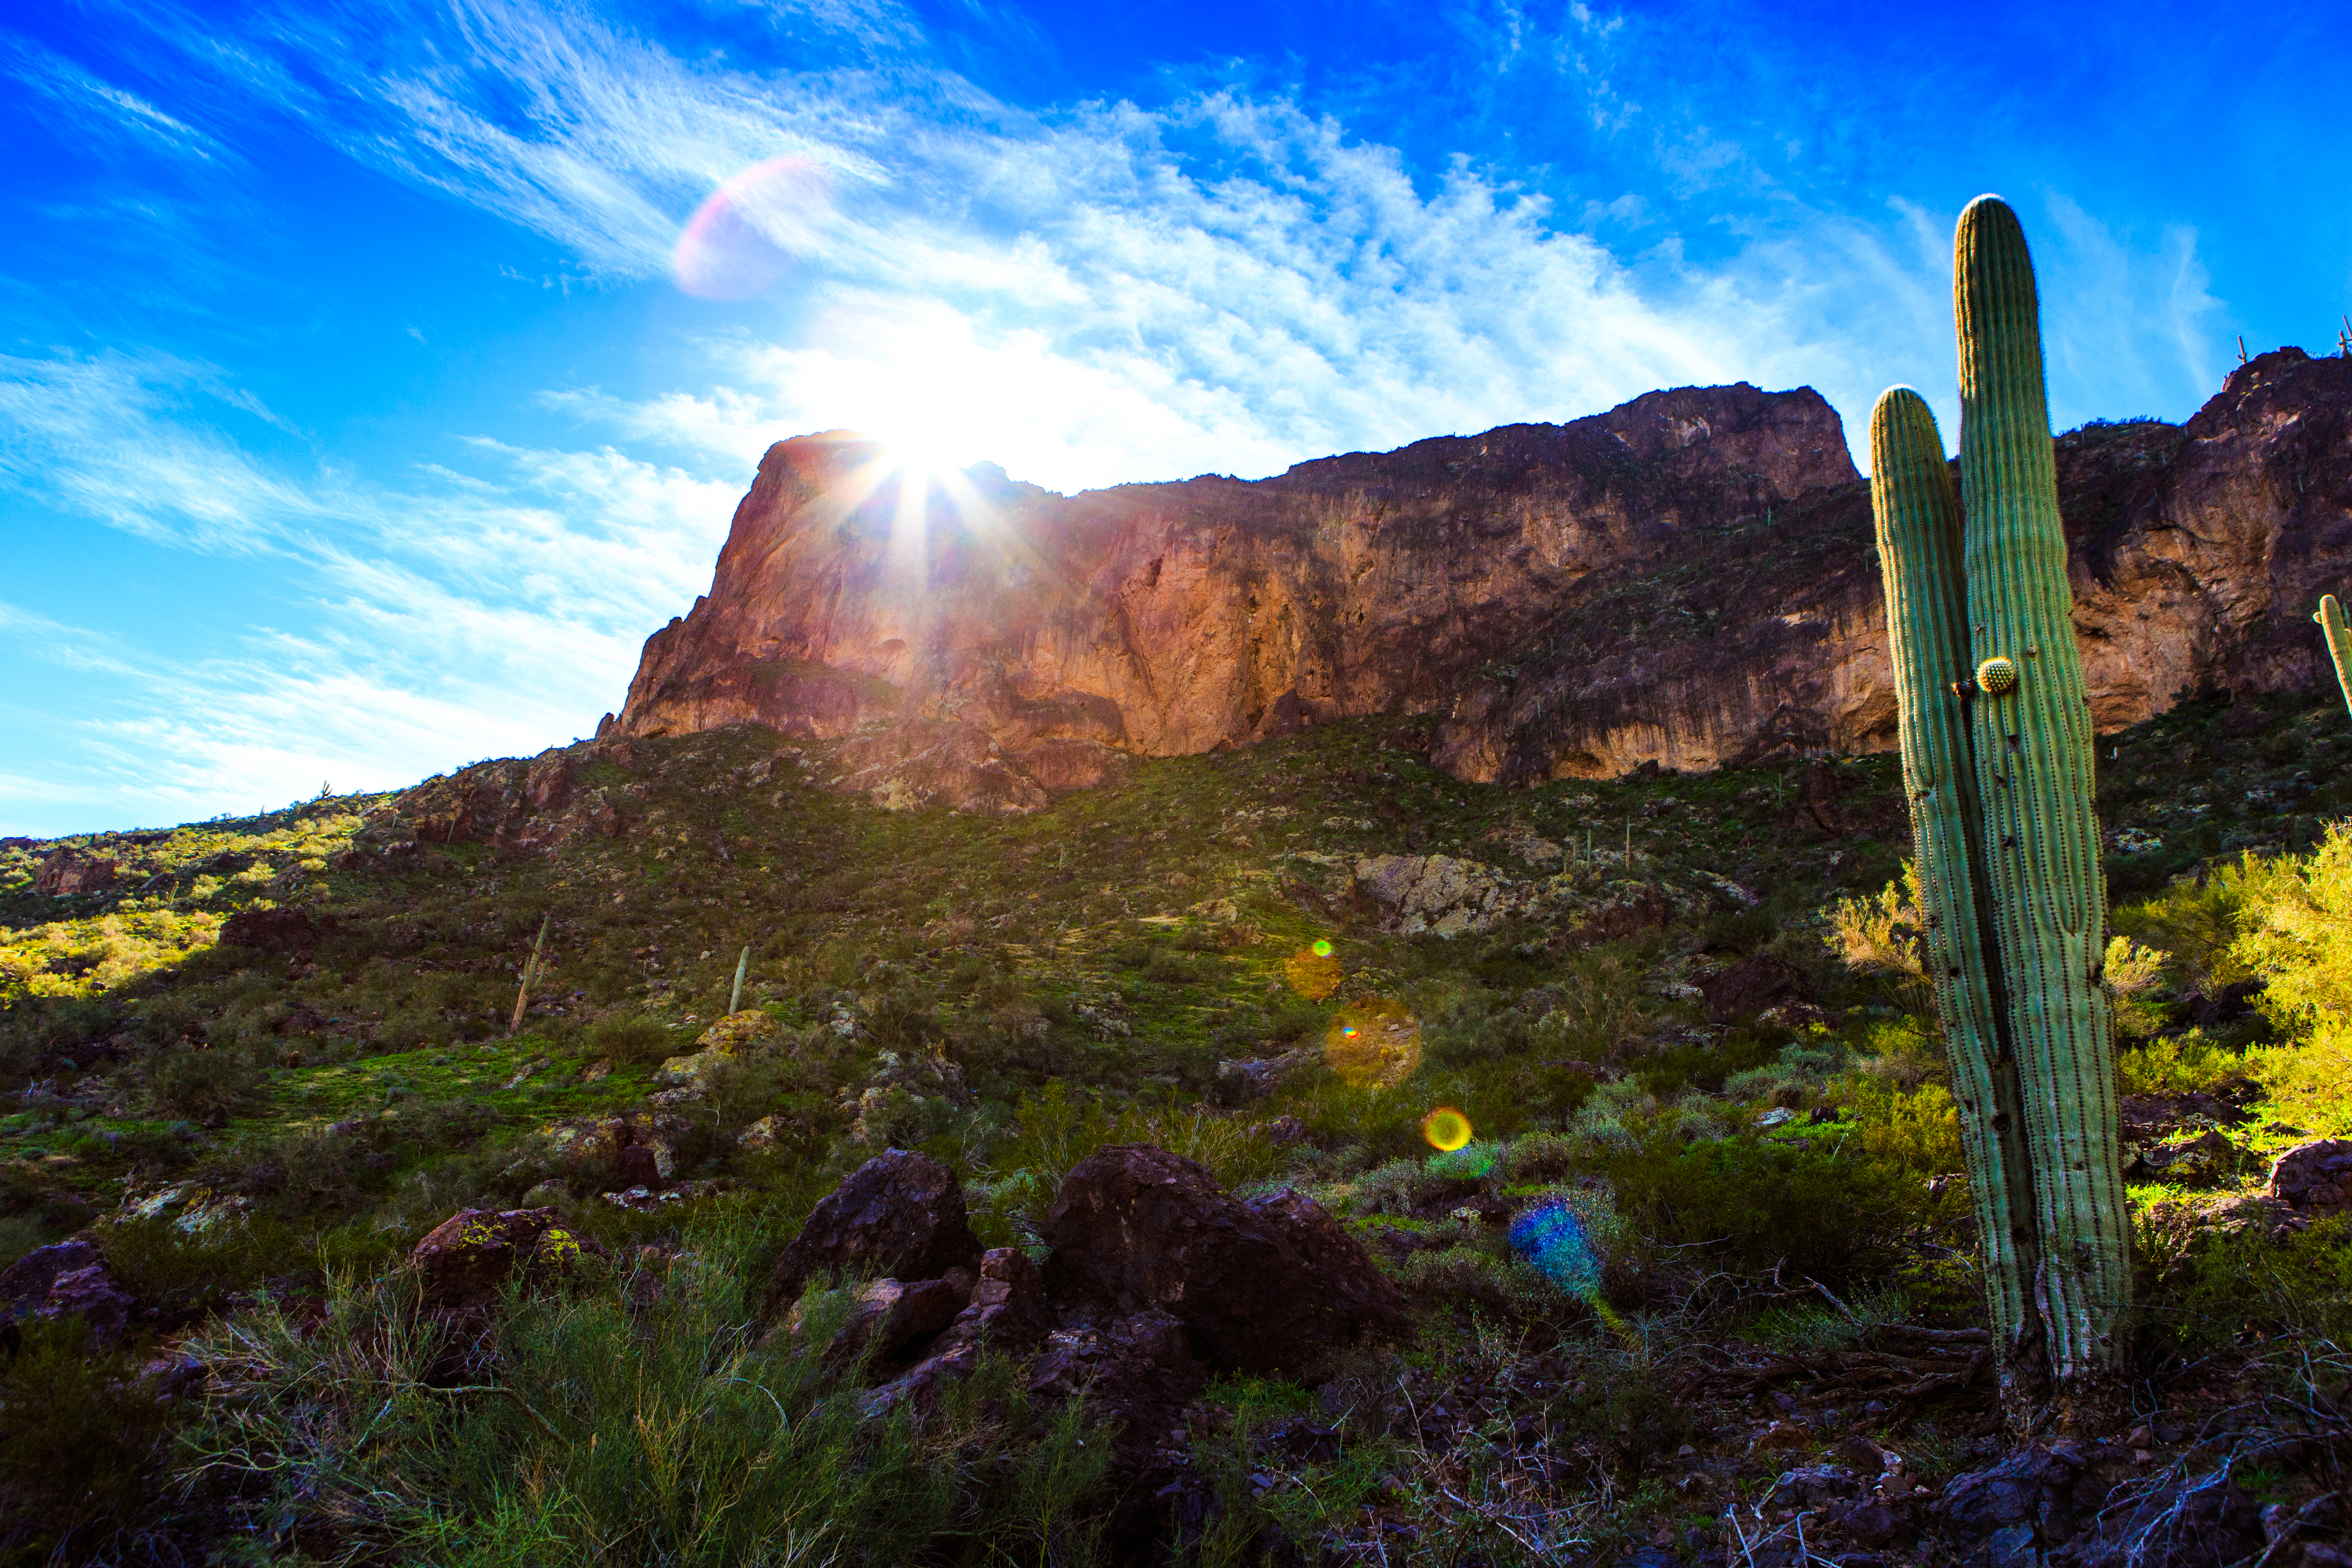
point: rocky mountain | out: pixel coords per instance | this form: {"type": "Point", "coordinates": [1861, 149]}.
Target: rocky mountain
{"type": "Point", "coordinates": [1687, 580]}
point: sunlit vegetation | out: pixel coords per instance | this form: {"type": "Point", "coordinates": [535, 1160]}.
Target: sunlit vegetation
{"type": "Point", "coordinates": [254, 1136]}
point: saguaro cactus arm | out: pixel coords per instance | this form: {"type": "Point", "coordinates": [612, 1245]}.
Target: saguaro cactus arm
{"type": "Point", "coordinates": [1919, 554]}
{"type": "Point", "coordinates": [2340, 642]}
{"type": "Point", "coordinates": [2034, 777]}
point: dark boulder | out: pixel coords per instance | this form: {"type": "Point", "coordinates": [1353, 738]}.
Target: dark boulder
{"type": "Point", "coordinates": [1007, 1315]}
{"type": "Point", "coordinates": [2315, 1178]}
{"type": "Point", "coordinates": [1755, 984]}
{"type": "Point", "coordinates": [900, 1214]}
{"type": "Point", "coordinates": [1269, 1286]}
{"type": "Point", "coordinates": [887, 1319]}
{"type": "Point", "coordinates": [467, 1258]}
{"type": "Point", "coordinates": [67, 1280]}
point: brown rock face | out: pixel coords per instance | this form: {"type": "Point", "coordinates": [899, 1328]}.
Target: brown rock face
{"type": "Point", "coordinates": [1687, 579]}
{"type": "Point", "coordinates": [68, 871]}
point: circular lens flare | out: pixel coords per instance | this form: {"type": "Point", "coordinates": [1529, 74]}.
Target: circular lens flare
{"type": "Point", "coordinates": [748, 232]}
{"type": "Point", "coordinates": [1313, 974]}
{"type": "Point", "coordinates": [1446, 1128]}
{"type": "Point", "coordinates": [1373, 1042]}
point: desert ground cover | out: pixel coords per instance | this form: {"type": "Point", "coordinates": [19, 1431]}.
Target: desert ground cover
{"type": "Point", "coordinates": [268, 1057]}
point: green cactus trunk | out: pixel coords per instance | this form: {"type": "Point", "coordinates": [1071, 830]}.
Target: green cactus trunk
{"type": "Point", "coordinates": [2340, 642]}
{"type": "Point", "coordinates": [2015, 860]}
{"type": "Point", "coordinates": [1919, 552]}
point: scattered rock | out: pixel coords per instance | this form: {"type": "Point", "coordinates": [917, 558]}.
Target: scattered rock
{"type": "Point", "coordinates": [92, 1295]}
{"type": "Point", "coordinates": [2315, 1179]}
{"type": "Point", "coordinates": [730, 1037]}
{"type": "Point", "coordinates": [2035, 1499]}
{"type": "Point", "coordinates": [69, 871]}
{"type": "Point", "coordinates": [886, 1318]}
{"type": "Point", "coordinates": [1138, 1374]}
{"type": "Point", "coordinates": [2178, 1522]}
{"type": "Point", "coordinates": [1268, 1286]}
{"type": "Point", "coordinates": [763, 1133]}
{"type": "Point", "coordinates": [549, 784]}
{"type": "Point", "coordinates": [642, 1199]}
{"type": "Point", "coordinates": [1438, 895]}
{"type": "Point", "coordinates": [69, 1279]}
{"type": "Point", "coordinates": [1007, 1315]}
{"type": "Point", "coordinates": [900, 1214]}
{"type": "Point", "coordinates": [1239, 1082]}
{"type": "Point", "coordinates": [470, 1256]}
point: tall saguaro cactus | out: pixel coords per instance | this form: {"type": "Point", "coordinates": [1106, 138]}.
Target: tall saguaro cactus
{"type": "Point", "coordinates": [1997, 753]}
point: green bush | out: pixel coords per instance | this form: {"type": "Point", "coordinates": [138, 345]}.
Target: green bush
{"type": "Point", "coordinates": [625, 1420]}
{"type": "Point", "coordinates": [1753, 1205]}
{"type": "Point", "coordinates": [80, 1438]}
{"type": "Point", "coordinates": [207, 1085]}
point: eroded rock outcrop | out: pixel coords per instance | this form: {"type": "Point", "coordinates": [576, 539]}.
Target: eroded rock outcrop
{"type": "Point", "coordinates": [1687, 580]}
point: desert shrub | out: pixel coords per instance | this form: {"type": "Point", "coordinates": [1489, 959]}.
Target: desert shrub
{"type": "Point", "coordinates": [1879, 934]}
{"type": "Point", "coordinates": [1539, 1157]}
{"type": "Point", "coordinates": [81, 1436]}
{"type": "Point", "coordinates": [187, 1271]}
{"type": "Point", "coordinates": [2196, 924]}
{"type": "Point", "coordinates": [1393, 1189]}
{"type": "Point", "coordinates": [625, 1419]}
{"type": "Point", "coordinates": [2177, 1064]}
{"type": "Point", "coordinates": [1600, 1007]}
{"type": "Point", "coordinates": [1751, 1205]}
{"type": "Point", "coordinates": [2228, 1291]}
{"type": "Point", "coordinates": [1469, 1277]}
{"type": "Point", "coordinates": [2309, 1085]}
{"type": "Point", "coordinates": [206, 1084]}
{"type": "Point", "coordinates": [1053, 1131]}
{"type": "Point", "coordinates": [2295, 930]}
{"type": "Point", "coordinates": [1916, 1129]}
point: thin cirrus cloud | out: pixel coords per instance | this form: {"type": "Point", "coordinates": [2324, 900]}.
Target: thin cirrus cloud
{"type": "Point", "coordinates": [465, 615]}
{"type": "Point", "coordinates": [1102, 292]}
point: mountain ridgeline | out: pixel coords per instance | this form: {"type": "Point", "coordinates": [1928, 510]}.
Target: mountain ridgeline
{"type": "Point", "coordinates": [1687, 580]}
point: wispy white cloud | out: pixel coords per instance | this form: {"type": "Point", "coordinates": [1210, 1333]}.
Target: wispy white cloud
{"type": "Point", "coordinates": [489, 609]}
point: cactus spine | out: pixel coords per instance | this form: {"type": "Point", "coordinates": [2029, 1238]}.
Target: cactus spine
{"type": "Point", "coordinates": [2046, 1163]}
{"type": "Point", "coordinates": [2340, 642]}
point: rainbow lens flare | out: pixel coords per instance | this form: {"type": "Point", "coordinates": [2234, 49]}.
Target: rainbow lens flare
{"type": "Point", "coordinates": [750, 232]}
{"type": "Point", "coordinates": [1312, 972]}
{"type": "Point", "coordinates": [1552, 1238]}
{"type": "Point", "coordinates": [1373, 1042]}
{"type": "Point", "coordinates": [1446, 1128]}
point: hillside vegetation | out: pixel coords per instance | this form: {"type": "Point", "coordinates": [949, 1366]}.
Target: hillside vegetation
{"type": "Point", "coordinates": [276, 1052]}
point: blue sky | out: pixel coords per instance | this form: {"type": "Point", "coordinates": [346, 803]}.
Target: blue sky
{"type": "Point", "coordinates": [355, 423]}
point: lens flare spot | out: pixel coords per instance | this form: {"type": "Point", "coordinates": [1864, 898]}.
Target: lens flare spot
{"type": "Point", "coordinates": [1553, 1238]}
{"type": "Point", "coordinates": [1446, 1128]}
{"type": "Point", "coordinates": [1373, 1042]}
{"type": "Point", "coordinates": [748, 232]}
{"type": "Point", "coordinates": [1313, 974]}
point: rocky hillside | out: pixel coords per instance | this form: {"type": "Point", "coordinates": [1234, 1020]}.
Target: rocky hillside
{"type": "Point", "coordinates": [1687, 580]}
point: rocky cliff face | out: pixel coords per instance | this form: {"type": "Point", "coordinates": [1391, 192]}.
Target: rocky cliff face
{"type": "Point", "coordinates": [1687, 580]}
